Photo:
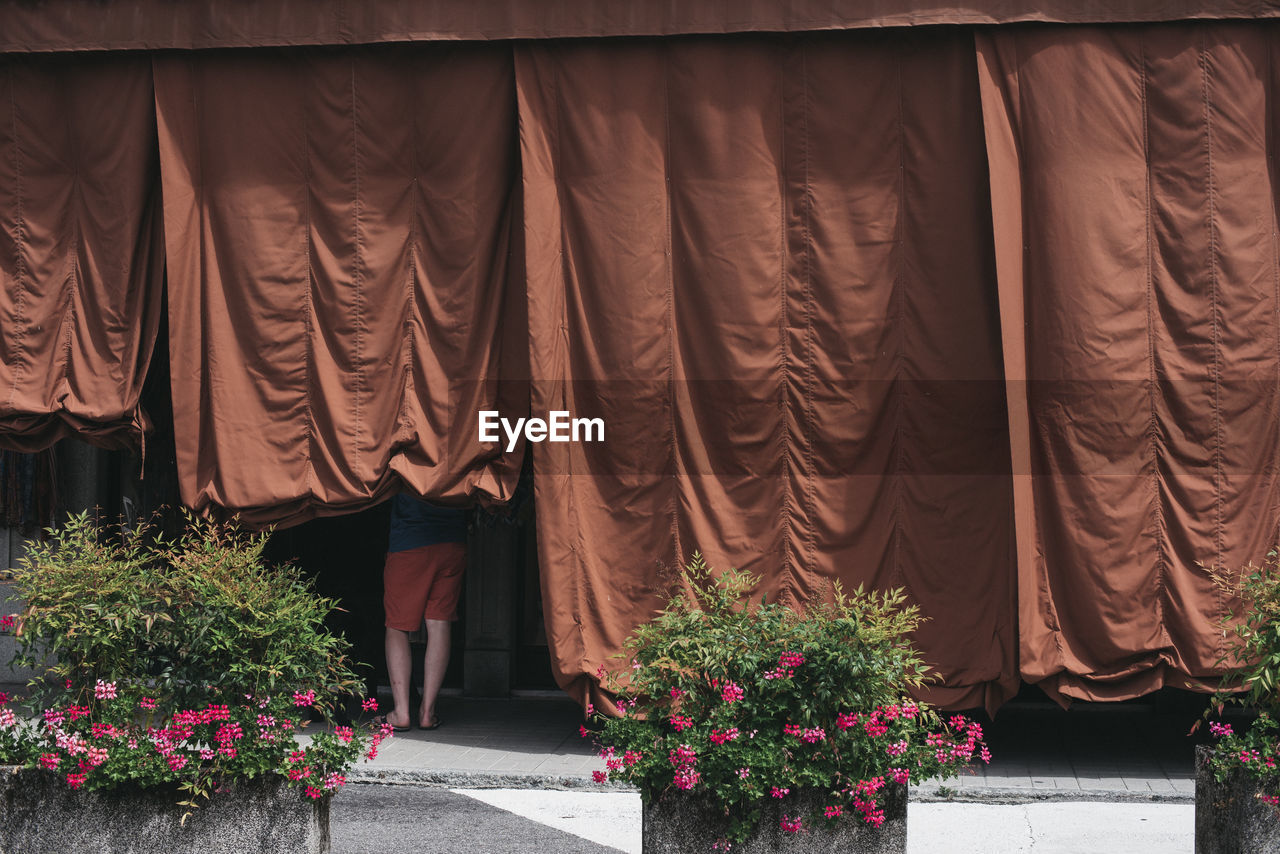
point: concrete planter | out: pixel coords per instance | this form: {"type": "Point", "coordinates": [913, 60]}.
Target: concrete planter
{"type": "Point", "coordinates": [1229, 817]}
{"type": "Point", "coordinates": [689, 825]}
{"type": "Point", "coordinates": [40, 814]}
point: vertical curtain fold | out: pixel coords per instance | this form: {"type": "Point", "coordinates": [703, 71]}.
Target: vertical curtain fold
{"type": "Point", "coordinates": [765, 263]}
{"type": "Point", "coordinates": [81, 256]}
{"type": "Point", "coordinates": [339, 241]}
{"type": "Point", "coordinates": [1133, 191]}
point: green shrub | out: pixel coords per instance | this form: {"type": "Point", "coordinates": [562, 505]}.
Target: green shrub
{"type": "Point", "coordinates": [1251, 628]}
{"type": "Point", "coordinates": [203, 613]}
{"type": "Point", "coordinates": [741, 701]}
{"type": "Point", "coordinates": [188, 663]}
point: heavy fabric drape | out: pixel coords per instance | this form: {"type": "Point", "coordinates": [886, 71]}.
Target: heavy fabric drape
{"type": "Point", "coordinates": [164, 24]}
{"type": "Point", "coordinates": [1134, 191]}
{"type": "Point", "coordinates": [81, 257]}
{"type": "Point", "coordinates": [766, 264]}
{"type": "Point", "coordinates": [338, 230]}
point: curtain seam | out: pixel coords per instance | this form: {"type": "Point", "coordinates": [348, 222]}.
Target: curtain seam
{"type": "Point", "coordinates": [21, 273]}
{"type": "Point", "coordinates": [671, 307]}
{"type": "Point", "coordinates": [1269, 95]}
{"type": "Point", "coordinates": [899, 321]}
{"type": "Point", "coordinates": [810, 535]}
{"type": "Point", "coordinates": [411, 303]}
{"type": "Point", "coordinates": [358, 266]}
{"type": "Point", "coordinates": [308, 329]}
{"type": "Point", "coordinates": [73, 282]}
{"type": "Point", "coordinates": [1153, 424]}
{"type": "Point", "coordinates": [786, 586]}
{"type": "Point", "coordinates": [1214, 307]}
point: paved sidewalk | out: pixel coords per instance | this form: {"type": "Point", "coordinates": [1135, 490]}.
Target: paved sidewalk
{"type": "Point", "coordinates": [1094, 752]}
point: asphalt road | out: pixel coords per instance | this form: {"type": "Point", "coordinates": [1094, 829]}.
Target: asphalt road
{"type": "Point", "coordinates": [373, 819]}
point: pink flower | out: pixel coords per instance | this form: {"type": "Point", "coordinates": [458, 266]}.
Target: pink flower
{"type": "Point", "coordinates": [833, 811]}
{"type": "Point", "coordinates": [147, 703]}
{"type": "Point", "coordinates": [897, 748]}
{"type": "Point", "coordinates": [304, 698]}
{"type": "Point", "coordinates": [744, 773]}
{"type": "Point", "coordinates": [686, 778]}
{"type": "Point", "coordinates": [676, 693]}
{"type": "Point", "coordinates": [790, 824]}
{"type": "Point", "coordinates": [49, 761]}
{"type": "Point", "coordinates": [313, 792]}
{"type": "Point", "coordinates": [844, 720]}
{"type": "Point", "coordinates": [779, 793]}
{"type": "Point", "coordinates": [599, 776]}
{"type": "Point", "coordinates": [104, 690]}
{"type": "Point", "coordinates": [722, 736]}
{"type": "Point", "coordinates": [731, 692]}
{"type": "Point", "coordinates": [7, 718]}
{"type": "Point", "coordinates": [874, 726]}
{"type": "Point", "coordinates": [813, 735]}
{"type": "Point", "coordinates": [75, 781]}
{"type": "Point", "coordinates": [7, 622]}
{"type": "Point", "coordinates": [370, 705]}
{"type": "Point", "coordinates": [681, 723]}
{"type": "Point", "coordinates": [583, 731]}
{"type": "Point", "coordinates": [900, 775]}
{"type": "Point", "coordinates": [344, 734]}
{"type": "Point", "coordinates": [1219, 730]}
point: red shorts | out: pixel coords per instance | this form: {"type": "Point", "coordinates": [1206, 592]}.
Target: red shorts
{"type": "Point", "coordinates": [423, 584]}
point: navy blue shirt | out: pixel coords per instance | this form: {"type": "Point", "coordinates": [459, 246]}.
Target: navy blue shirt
{"type": "Point", "coordinates": [415, 523]}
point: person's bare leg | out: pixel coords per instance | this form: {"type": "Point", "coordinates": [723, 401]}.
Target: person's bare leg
{"type": "Point", "coordinates": [399, 669]}
{"type": "Point", "coordinates": [434, 662]}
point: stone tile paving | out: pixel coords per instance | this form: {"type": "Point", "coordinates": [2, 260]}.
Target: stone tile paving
{"type": "Point", "coordinates": [1091, 751]}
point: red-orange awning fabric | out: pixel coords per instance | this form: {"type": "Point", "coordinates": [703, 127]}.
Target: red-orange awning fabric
{"type": "Point", "coordinates": [766, 264]}
{"type": "Point", "coordinates": [81, 256]}
{"type": "Point", "coordinates": [1134, 194]}
{"type": "Point", "coordinates": [338, 227]}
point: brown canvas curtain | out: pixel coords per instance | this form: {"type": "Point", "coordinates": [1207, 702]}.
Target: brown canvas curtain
{"type": "Point", "coordinates": [338, 230]}
{"type": "Point", "coordinates": [1134, 187]}
{"type": "Point", "coordinates": [766, 264]}
{"type": "Point", "coordinates": [81, 256]}
{"type": "Point", "coordinates": [165, 24]}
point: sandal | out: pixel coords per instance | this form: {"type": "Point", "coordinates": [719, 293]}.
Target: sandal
{"type": "Point", "coordinates": [435, 724]}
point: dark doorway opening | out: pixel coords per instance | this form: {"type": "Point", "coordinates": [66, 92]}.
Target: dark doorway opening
{"type": "Point", "coordinates": [499, 641]}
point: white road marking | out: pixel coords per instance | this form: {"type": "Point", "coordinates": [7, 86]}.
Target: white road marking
{"type": "Point", "coordinates": [1069, 827]}
{"type": "Point", "coordinates": [606, 818]}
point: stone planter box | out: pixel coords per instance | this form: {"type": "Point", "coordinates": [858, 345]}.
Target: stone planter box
{"type": "Point", "coordinates": [40, 814]}
{"type": "Point", "coordinates": [1229, 818]}
{"type": "Point", "coordinates": [689, 825]}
